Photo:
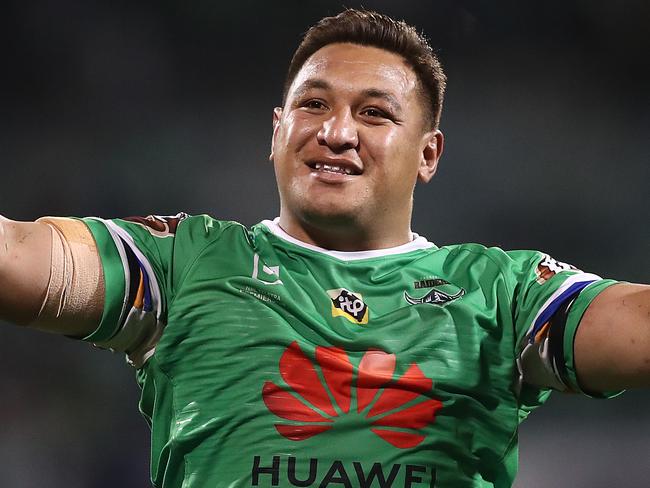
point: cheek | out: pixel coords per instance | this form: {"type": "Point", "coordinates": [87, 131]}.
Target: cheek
{"type": "Point", "coordinates": [293, 136]}
{"type": "Point", "coordinates": [397, 161]}
{"type": "Point", "coordinates": [393, 154]}
{"type": "Point", "coordinates": [296, 131]}
{"type": "Point", "coordinates": [379, 148]}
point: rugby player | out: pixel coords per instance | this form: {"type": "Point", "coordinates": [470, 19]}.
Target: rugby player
{"type": "Point", "coordinates": [332, 346]}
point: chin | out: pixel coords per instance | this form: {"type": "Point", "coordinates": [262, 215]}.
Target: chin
{"type": "Point", "coordinates": [332, 214]}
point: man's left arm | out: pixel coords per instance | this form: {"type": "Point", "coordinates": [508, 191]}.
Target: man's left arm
{"type": "Point", "coordinates": [612, 343]}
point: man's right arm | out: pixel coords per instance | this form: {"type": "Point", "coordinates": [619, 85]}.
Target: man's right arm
{"type": "Point", "coordinates": [50, 276]}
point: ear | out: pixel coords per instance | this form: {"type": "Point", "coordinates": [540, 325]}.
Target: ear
{"type": "Point", "coordinates": [432, 145]}
{"type": "Point", "coordinates": [277, 115]}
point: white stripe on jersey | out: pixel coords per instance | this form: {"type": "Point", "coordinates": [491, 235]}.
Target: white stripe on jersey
{"type": "Point", "coordinates": [125, 267]}
{"type": "Point", "coordinates": [139, 331]}
{"type": "Point", "coordinates": [155, 288]}
{"type": "Point", "coordinates": [570, 281]}
{"type": "Point", "coordinates": [417, 242]}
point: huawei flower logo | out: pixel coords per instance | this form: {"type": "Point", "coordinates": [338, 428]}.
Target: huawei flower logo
{"type": "Point", "coordinates": [393, 408]}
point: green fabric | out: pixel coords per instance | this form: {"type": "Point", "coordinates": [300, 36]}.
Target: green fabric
{"type": "Point", "coordinates": [114, 282]}
{"type": "Point", "coordinates": [261, 384]}
{"type": "Point", "coordinates": [575, 314]}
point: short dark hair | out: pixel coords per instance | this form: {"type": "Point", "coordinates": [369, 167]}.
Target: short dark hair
{"type": "Point", "coordinates": [368, 28]}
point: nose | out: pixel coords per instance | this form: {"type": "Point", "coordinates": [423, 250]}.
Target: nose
{"type": "Point", "coordinates": [339, 132]}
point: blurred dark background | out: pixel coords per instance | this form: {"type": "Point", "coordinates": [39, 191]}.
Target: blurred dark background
{"type": "Point", "coordinates": [123, 108]}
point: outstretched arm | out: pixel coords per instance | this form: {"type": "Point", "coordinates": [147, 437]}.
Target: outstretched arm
{"type": "Point", "coordinates": [50, 276]}
{"type": "Point", "coordinates": [612, 345]}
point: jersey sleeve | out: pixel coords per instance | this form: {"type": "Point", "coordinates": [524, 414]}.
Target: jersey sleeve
{"type": "Point", "coordinates": [138, 260]}
{"type": "Point", "coordinates": [549, 301]}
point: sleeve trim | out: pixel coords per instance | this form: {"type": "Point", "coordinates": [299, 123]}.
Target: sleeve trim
{"type": "Point", "coordinates": [576, 312]}
{"type": "Point", "coordinates": [570, 287]}
{"type": "Point", "coordinates": [556, 338]}
{"type": "Point", "coordinates": [156, 301]}
{"type": "Point", "coordinates": [114, 275]}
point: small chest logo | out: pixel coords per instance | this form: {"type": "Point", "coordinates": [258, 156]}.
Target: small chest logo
{"type": "Point", "coordinates": [440, 293]}
{"type": "Point", "coordinates": [349, 305]}
{"type": "Point", "coordinates": [269, 275]}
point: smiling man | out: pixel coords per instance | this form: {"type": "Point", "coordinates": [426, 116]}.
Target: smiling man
{"type": "Point", "coordinates": [354, 135]}
{"type": "Point", "coordinates": [332, 346]}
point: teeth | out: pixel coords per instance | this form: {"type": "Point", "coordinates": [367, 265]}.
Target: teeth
{"type": "Point", "coordinates": [332, 168]}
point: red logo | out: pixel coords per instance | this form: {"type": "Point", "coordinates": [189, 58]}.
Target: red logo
{"type": "Point", "coordinates": [159, 225]}
{"type": "Point", "coordinates": [394, 409]}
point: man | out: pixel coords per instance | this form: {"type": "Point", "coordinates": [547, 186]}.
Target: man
{"type": "Point", "coordinates": [332, 346]}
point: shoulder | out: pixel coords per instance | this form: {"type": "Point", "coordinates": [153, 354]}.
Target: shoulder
{"type": "Point", "coordinates": [180, 236]}
{"type": "Point", "coordinates": [473, 252]}
{"type": "Point", "coordinates": [181, 226]}
{"type": "Point", "coordinates": [489, 265]}
{"type": "Point", "coordinates": [208, 227]}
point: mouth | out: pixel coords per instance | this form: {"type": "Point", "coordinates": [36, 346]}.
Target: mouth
{"type": "Point", "coordinates": [341, 167]}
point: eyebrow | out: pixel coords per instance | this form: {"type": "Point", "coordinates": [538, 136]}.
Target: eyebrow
{"type": "Point", "coordinates": [318, 83]}
{"type": "Point", "coordinates": [311, 84]}
{"type": "Point", "coordinates": [383, 95]}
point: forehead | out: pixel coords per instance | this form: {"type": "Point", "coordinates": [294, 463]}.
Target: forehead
{"type": "Point", "coordinates": [352, 66]}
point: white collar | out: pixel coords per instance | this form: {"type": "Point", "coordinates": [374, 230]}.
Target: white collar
{"type": "Point", "coordinates": [417, 243]}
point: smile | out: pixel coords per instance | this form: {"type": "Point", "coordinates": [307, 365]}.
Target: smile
{"type": "Point", "coordinates": [342, 168]}
{"type": "Point", "coordinates": [332, 169]}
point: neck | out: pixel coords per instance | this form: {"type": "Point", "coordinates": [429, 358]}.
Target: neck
{"type": "Point", "coordinates": [345, 236]}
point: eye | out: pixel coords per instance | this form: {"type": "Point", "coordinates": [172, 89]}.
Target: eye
{"type": "Point", "coordinates": [314, 104]}
{"type": "Point", "coordinates": [375, 113]}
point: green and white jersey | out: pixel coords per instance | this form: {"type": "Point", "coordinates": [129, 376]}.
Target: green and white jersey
{"type": "Point", "coordinates": [266, 362]}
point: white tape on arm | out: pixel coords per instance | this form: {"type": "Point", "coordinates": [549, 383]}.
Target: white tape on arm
{"type": "Point", "coordinates": [75, 292]}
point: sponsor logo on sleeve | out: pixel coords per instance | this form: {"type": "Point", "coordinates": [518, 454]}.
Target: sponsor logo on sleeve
{"type": "Point", "coordinates": [549, 267]}
{"type": "Point", "coordinates": [159, 225]}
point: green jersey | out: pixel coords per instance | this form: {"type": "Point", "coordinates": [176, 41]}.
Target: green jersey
{"type": "Point", "coordinates": [265, 361]}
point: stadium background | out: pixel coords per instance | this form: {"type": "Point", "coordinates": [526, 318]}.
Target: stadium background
{"type": "Point", "coordinates": [124, 108]}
